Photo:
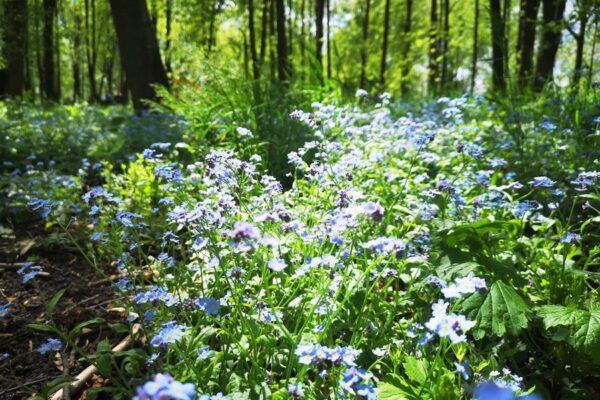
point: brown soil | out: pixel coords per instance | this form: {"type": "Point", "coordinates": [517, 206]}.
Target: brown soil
{"type": "Point", "coordinates": [25, 371]}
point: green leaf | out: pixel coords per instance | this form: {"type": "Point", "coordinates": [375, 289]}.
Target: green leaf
{"type": "Point", "coordinates": [42, 327]}
{"type": "Point", "coordinates": [415, 369]}
{"type": "Point", "coordinates": [82, 325]}
{"type": "Point", "coordinates": [53, 302]}
{"type": "Point", "coordinates": [555, 315]}
{"type": "Point", "coordinates": [387, 391]}
{"type": "Point", "coordinates": [501, 310]}
{"type": "Point", "coordinates": [584, 332]}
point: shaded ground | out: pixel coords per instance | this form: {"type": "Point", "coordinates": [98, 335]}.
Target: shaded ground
{"type": "Point", "coordinates": [87, 296]}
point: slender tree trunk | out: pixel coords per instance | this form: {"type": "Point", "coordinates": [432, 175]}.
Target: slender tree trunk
{"type": "Point", "coordinates": [445, 43]}
{"type": "Point", "coordinates": [90, 44]}
{"type": "Point", "coordinates": [14, 22]}
{"type": "Point", "coordinates": [507, 26]}
{"type": "Point", "coordinates": [138, 49]}
{"type": "Point", "coordinates": [406, 30]}
{"type": "Point", "coordinates": [263, 31]}
{"type": "Point", "coordinates": [498, 45]}
{"type": "Point", "coordinates": [580, 40]}
{"type": "Point", "coordinates": [282, 47]}
{"type": "Point", "coordinates": [475, 47]}
{"type": "Point", "coordinates": [319, 14]}
{"type": "Point", "coordinates": [211, 29]}
{"type": "Point", "coordinates": [76, 58]}
{"type": "Point", "coordinates": [302, 31]}
{"type": "Point", "coordinates": [526, 40]}
{"type": "Point", "coordinates": [365, 41]}
{"type": "Point", "coordinates": [58, 75]}
{"type": "Point", "coordinates": [593, 54]}
{"type": "Point", "coordinates": [328, 39]}
{"type": "Point", "coordinates": [49, 82]}
{"type": "Point", "coordinates": [384, 46]}
{"type": "Point", "coordinates": [290, 25]}
{"type": "Point", "coordinates": [433, 70]}
{"type": "Point", "coordinates": [552, 12]}
{"type": "Point", "coordinates": [168, 19]}
{"type": "Point", "coordinates": [253, 55]}
{"type": "Point", "coordinates": [272, 38]}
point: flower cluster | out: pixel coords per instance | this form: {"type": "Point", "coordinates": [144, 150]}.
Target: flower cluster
{"type": "Point", "coordinates": [164, 387]}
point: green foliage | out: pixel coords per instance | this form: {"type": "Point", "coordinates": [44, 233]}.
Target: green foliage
{"type": "Point", "coordinates": [581, 327]}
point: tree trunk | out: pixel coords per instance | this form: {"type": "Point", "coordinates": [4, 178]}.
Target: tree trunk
{"type": "Point", "coordinates": [580, 39]}
{"type": "Point", "coordinates": [365, 41]}
{"type": "Point", "coordinates": [593, 54]}
{"type": "Point", "coordinates": [433, 69]}
{"type": "Point", "coordinates": [48, 78]}
{"type": "Point", "coordinates": [526, 40]}
{"type": "Point", "coordinates": [302, 30]}
{"type": "Point", "coordinates": [445, 43]}
{"type": "Point", "coordinates": [272, 57]}
{"type": "Point", "coordinates": [138, 49]}
{"type": "Point", "coordinates": [264, 28]}
{"type": "Point", "coordinates": [90, 44]}
{"type": "Point", "coordinates": [475, 47]}
{"type": "Point", "coordinates": [384, 46]}
{"type": "Point", "coordinates": [15, 40]}
{"type": "Point", "coordinates": [282, 55]}
{"type": "Point", "coordinates": [498, 46]}
{"type": "Point", "coordinates": [552, 12]}
{"type": "Point", "coordinates": [76, 58]}
{"type": "Point", "coordinates": [319, 14]}
{"type": "Point", "coordinates": [406, 64]}
{"type": "Point", "coordinates": [168, 18]}
{"type": "Point", "coordinates": [253, 55]}
{"type": "Point", "coordinates": [328, 39]}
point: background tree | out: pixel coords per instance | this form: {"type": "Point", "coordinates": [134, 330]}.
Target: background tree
{"type": "Point", "coordinates": [14, 20]}
{"type": "Point", "coordinates": [139, 49]}
{"type": "Point", "coordinates": [552, 18]}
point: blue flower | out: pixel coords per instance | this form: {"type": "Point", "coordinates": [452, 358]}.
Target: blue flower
{"type": "Point", "coordinates": [126, 218]}
{"type": "Point", "coordinates": [463, 369]}
{"type": "Point", "coordinates": [244, 230]}
{"type": "Point", "coordinates": [571, 238]}
{"type": "Point", "coordinates": [542, 181]}
{"type": "Point", "coordinates": [209, 305]}
{"type": "Point", "coordinates": [4, 310]}
{"type": "Point", "coordinates": [170, 333]}
{"type": "Point", "coordinates": [204, 353]}
{"type": "Point", "coordinates": [163, 386]}
{"type": "Point", "coordinates": [50, 345]}
{"type": "Point", "coordinates": [277, 265]}
{"type": "Point", "coordinates": [489, 390]}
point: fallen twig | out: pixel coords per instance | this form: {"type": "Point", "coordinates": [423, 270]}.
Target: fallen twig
{"type": "Point", "coordinates": [86, 374]}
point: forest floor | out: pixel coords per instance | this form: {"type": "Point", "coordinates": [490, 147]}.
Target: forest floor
{"type": "Point", "coordinates": [23, 371]}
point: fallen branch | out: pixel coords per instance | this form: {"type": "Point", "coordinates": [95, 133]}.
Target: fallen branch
{"type": "Point", "coordinates": [85, 375]}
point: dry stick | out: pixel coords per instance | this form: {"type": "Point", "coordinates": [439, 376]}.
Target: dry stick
{"type": "Point", "coordinates": [86, 374]}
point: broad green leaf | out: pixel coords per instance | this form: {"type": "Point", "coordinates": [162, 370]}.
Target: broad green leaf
{"type": "Point", "coordinates": [587, 335]}
{"type": "Point", "coordinates": [499, 311]}
{"type": "Point", "coordinates": [555, 315]}
{"type": "Point", "coordinates": [415, 369]}
{"type": "Point", "coordinates": [387, 391]}
{"type": "Point", "coordinates": [584, 332]}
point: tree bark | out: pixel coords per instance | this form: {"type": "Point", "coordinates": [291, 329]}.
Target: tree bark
{"type": "Point", "coordinates": [406, 30]}
{"type": "Point", "coordinates": [526, 40]}
{"type": "Point", "coordinates": [15, 40]}
{"type": "Point", "coordinates": [445, 45]}
{"type": "Point", "coordinates": [580, 40]}
{"type": "Point", "coordinates": [253, 55]}
{"type": "Point", "coordinates": [552, 12]}
{"type": "Point", "coordinates": [138, 49]}
{"type": "Point", "coordinates": [365, 41]}
{"type": "Point", "coordinates": [328, 39]}
{"type": "Point", "coordinates": [433, 69]}
{"type": "Point", "coordinates": [168, 19]}
{"type": "Point", "coordinates": [475, 47]}
{"type": "Point", "coordinates": [319, 14]}
{"type": "Point", "coordinates": [90, 44]}
{"type": "Point", "coordinates": [498, 46]}
{"type": "Point", "coordinates": [384, 46]}
{"type": "Point", "coordinates": [48, 67]}
{"type": "Point", "coordinates": [282, 47]}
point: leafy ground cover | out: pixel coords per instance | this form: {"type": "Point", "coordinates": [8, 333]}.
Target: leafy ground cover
{"type": "Point", "coordinates": [448, 252]}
